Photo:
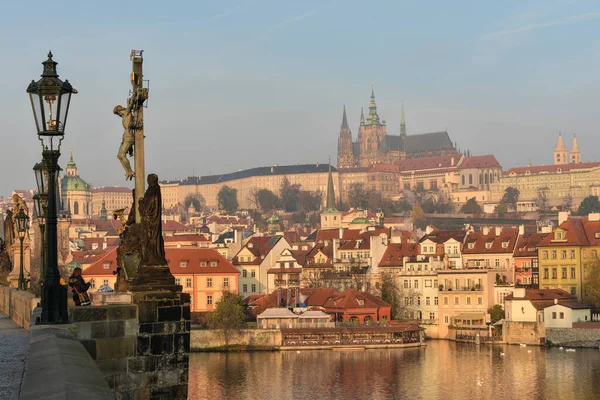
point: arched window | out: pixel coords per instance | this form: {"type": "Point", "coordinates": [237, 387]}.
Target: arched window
{"type": "Point", "coordinates": [481, 179]}
{"type": "Point", "coordinates": [486, 179]}
{"type": "Point", "coordinates": [76, 208]}
{"type": "Point", "coordinates": [463, 180]}
{"type": "Point", "coordinates": [470, 179]}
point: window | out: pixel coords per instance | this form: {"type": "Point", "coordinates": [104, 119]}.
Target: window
{"type": "Point", "coordinates": [416, 284]}
{"type": "Point", "coordinates": [554, 254]}
{"type": "Point", "coordinates": [573, 276]}
{"type": "Point", "coordinates": [497, 262]}
{"type": "Point", "coordinates": [213, 264]}
{"type": "Point", "coordinates": [545, 254]}
{"type": "Point", "coordinates": [562, 315]}
{"type": "Point", "coordinates": [208, 282]}
{"type": "Point", "coordinates": [572, 254]}
{"type": "Point", "coordinates": [431, 315]}
{"type": "Point", "coordinates": [244, 273]}
{"type": "Point", "coordinates": [93, 284]}
{"type": "Point", "coordinates": [183, 264]}
{"type": "Point", "coordinates": [564, 273]}
{"type": "Point", "coordinates": [435, 301]}
{"type": "Point", "coordinates": [105, 282]}
{"type": "Point", "coordinates": [203, 264]}
{"type": "Point", "coordinates": [253, 288]}
{"type": "Point", "coordinates": [245, 288]}
{"type": "Point", "coordinates": [446, 319]}
{"type": "Point", "coordinates": [209, 300]}
{"type": "Point", "coordinates": [554, 273]}
{"type": "Point", "coordinates": [253, 274]}
{"type": "Point", "coordinates": [456, 301]}
{"type": "Point", "coordinates": [106, 265]}
{"type": "Point", "coordinates": [445, 300]}
{"type": "Point", "coordinates": [573, 291]}
{"type": "Point", "coordinates": [546, 276]}
{"type": "Point", "coordinates": [469, 300]}
{"type": "Point", "coordinates": [188, 282]}
{"type": "Point", "coordinates": [427, 301]}
{"type": "Point", "coordinates": [427, 282]}
{"type": "Point", "coordinates": [178, 281]}
{"type": "Point", "coordinates": [406, 284]}
{"type": "Point", "coordinates": [479, 300]}
{"type": "Point", "coordinates": [563, 254]}
{"type": "Point", "coordinates": [225, 282]}
{"type": "Point", "coordinates": [553, 315]}
{"type": "Point", "coordinates": [418, 301]}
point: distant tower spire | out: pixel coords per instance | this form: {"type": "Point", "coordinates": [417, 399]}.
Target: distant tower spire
{"type": "Point", "coordinates": [362, 116]}
{"type": "Point", "coordinates": [403, 123]}
{"type": "Point", "coordinates": [345, 153]}
{"type": "Point", "coordinates": [344, 120]}
{"type": "Point", "coordinates": [575, 152]}
{"type": "Point", "coordinates": [71, 150]}
{"type": "Point", "coordinates": [103, 213]}
{"type": "Point", "coordinates": [560, 152]}
{"type": "Point", "coordinates": [330, 191]}
{"type": "Point", "coordinates": [373, 117]}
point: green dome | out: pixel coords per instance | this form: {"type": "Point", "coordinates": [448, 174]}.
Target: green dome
{"type": "Point", "coordinates": [360, 220]}
{"type": "Point", "coordinates": [273, 219]}
{"type": "Point", "coordinates": [74, 183]}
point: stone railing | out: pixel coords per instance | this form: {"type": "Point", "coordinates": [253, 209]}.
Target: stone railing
{"type": "Point", "coordinates": [18, 305]}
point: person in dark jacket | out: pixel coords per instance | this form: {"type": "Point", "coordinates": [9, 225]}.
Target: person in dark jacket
{"type": "Point", "coordinates": [79, 288]}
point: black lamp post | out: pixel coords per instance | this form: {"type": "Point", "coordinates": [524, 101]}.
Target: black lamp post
{"type": "Point", "coordinates": [40, 204]}
{"type": "Point", "coordinates": [50, 99]}
{"type": "Point", "coordinates": [22, 221]}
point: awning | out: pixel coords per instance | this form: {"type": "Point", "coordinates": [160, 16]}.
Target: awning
{"type": "Point", "coordinates": [469, 316]}
{"type": "Point", "coordinates": [498, 323]}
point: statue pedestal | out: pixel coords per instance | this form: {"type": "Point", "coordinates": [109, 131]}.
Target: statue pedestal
{"type": "Point", "coordinates": [154, 278]}
{"type": "Point", "coordinates": [13, 277]}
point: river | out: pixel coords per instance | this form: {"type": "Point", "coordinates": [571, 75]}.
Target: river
{"type": "Point", "coordinates": [441, 370]}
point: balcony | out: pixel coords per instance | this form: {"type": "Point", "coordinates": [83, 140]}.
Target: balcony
{"type": "Point", "coordinates": [475, 288]}
{"type": "Point", "coordinates": [280, 282]}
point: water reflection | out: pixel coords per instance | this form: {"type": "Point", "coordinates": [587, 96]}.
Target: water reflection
{"type": "Point", "coordinates": [442, 370]}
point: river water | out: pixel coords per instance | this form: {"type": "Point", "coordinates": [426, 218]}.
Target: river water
{"type": "Point", "coordinates": [441, 370]}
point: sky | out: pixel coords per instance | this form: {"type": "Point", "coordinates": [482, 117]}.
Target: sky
{"type": "Point", "coordinates": [237, 84]}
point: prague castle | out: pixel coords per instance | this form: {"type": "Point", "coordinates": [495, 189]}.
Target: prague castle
{"type": "Point", "coordinates": [375, 146]}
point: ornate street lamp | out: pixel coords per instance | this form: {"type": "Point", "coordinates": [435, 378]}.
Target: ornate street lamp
{"type": "Point", "coordinates": [50, 99]}
{"type": "Point", "coordinates": [41, 206]}
{"type": "Point", "coordinates": [22, 221]}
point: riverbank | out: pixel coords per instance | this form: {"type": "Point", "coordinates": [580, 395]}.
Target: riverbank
{"type": "Point", "coordinates": [236, 348]}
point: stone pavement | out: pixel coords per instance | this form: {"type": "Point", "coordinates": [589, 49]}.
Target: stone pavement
{"type": "Point", "coordinates": [14, 345]}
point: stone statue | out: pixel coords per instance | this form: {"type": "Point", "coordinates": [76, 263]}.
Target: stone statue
{"type": "Point", "coordinates": [18, 204]}
{"type": "Point", "coordinates": [153, 246]}
{"type": "Point", "coordinates": [9, 230]}
{"type": "Point", "coordinates": [5, 264]}
{"type": "Point", "coordinates": [128, 139]}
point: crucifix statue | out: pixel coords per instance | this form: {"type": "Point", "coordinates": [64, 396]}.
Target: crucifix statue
{"type": "Point", "coordinates": [133, 124]}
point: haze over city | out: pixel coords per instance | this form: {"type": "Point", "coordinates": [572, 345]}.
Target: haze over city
{"type": "Point", "coordinates": [241, 84]}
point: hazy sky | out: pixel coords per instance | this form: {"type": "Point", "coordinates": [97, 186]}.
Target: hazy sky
{"type": "Point", "coordinates": [236, 84]}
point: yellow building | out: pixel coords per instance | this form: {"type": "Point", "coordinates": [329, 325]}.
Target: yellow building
{"type": "Point", "coordinates": [114, 198]}
{"type": "Point", "coordinates": [564, 253]}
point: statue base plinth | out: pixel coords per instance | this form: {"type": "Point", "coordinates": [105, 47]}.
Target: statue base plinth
{"type": "Point", "coordinates": [154, 278]}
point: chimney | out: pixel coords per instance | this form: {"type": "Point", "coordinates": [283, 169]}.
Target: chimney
{"type": "Point", "coordinates": [555, 301]}
{"type": "Point", "coordinates": [336, 247]}
{"type": "Point", "coordinates": [521, 230]}
{"type": "Point", "coordinates": [341, 233]}
{"type": "Point", "coordinates": [297, 299]}
{"type": "Point", "coordinates": [486, 230]}
{"type": "Point", "coordinates": [452, 161]}
{"type": "Point", "coordinates": [104, 245]}
{"type": "Point", "coordinates": [563, 216]}
{"type": "Point", "coordinates": [279, 297]}
{"type": "Point", "coordinates": [498, 230]}
{"type": "Point", "coordinates": [594, 217]}
{"type": "Point", "coordinates": [428, 229]}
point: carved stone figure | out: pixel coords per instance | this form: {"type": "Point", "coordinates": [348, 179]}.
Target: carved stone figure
{"type": "Point", "coordinates": [9, 230]}
{"type": "Point", "coordinates": [128, 139]}
{"type": "Point", "coordinates": [153, 246]}
{"type": "Point", "coordinates": [18, 204]}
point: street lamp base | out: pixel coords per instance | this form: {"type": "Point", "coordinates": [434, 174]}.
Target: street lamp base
{"type": "Point", "coordinates": [54, 304]}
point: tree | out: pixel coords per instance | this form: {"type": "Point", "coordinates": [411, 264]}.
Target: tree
{"type": "Point", "coordinates": [196, 201]}
{"type": "Point", "coordinates": [511, 197]}
{"type": "Point", "coordinates": [501, 209]}
{"type": "Point", "coordinates": [289, 194]}
{"type": "Point", "coordinates": [390, 293]}
{"type": "Point", "coordinates": [418, 217]}
{"type": "Point", "coordinates": [228, 315]}
{"type": "Point", "coordinates": [496, 313]}
{"type": "Point", "coordinates": [542, 200]}
{"type": "Point", "coordinates": [266, 200]}
{"type": "Point", "coordinates": [567, 203]}
{"type": "Point", "coordinates": [310, 201]}
{"type": "Point", "coordinates": [471, 207]}
{"type": "Point", "coordinates": [592, 284]}
{"type": "Point", "coordinates": [314, 219]}
{"type": "Point", "coordinates": [590, 204]}
{"type": "Point", "coordinates": [227, 199]}
{"type": "Point", "coordinates": [356, 195]}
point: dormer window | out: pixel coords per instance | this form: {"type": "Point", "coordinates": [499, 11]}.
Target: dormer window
{"type": "Point", "coordinates": [471, 245]}
{"type": "Point", "coordinates": [361, 302]}
{"type": "Point", "coordinates": [597, 235]}
{"type": "Point", "coordinates": [203, 264]}
{"type": "Point", "coordinates": [183, 264]}
{"type": "Point", "coordinates": [106, 265]}
{"type": "Point", "coordinates": [250, 245]}
{"type": "Point", "coordinates": [558, 235]}
{"type": "Point", "coordinates": [488, 245]}
{"type": "Point", "coordinates": [505, 245]}
{"type": "Point", "coordinates": [213, 264]}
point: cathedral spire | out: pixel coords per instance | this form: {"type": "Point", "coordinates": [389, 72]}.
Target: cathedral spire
{"type": "Point", "coordinates": [344, 120]}
{"type": "Point", "coordinates": [373, 118]}
{"type": "Point", "coordinates": [330, 205]}
{"type": "Point", "coordinates": [575, 152]}
{"type": "Point", "coordinates": [362, 116]}
{"type": "Point", "coordinates": [403, 123]}
{"type": "Point", "coordinates": [560, 152]}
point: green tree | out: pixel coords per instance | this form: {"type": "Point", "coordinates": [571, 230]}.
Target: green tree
{"type": "Point", "coordinates": [541, 200]}
{"type": "Point", "coordinates": [511, 197]}
{"type": "Point", "coordinates": [496, 313]}
{"type": "Point", "coordinates": [310, 201]}
{"type": "Point", "coordinates": [290, 195]}
{"type": "Point", "coordinates": [592, 284]}
{"type": "Point", "coordinates": [228, 316]}
{"type": "Point", "coordinates": [590, 204]}
{"type": "Point", "coordinates": [471, 207]}
{"type": "Point", "coordinates": [314, 219]}
{"type": "Point", "coordinates": [501, 209]}
{"type": "Point", "coordinates": [266, 200]}
{"type": "Point", "coordinates": [418, 217]}
{"type": "Point", "coordinates": [227, 199]}
{"type": "Point", "coordinates": [196, 201]}
{"type": "Point", "coordinates": [357, 195]}
{"type": "Point", "coordinates": [390, 293]}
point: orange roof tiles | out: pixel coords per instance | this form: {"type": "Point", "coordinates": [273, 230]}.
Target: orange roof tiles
{"type": "Point", "coordinates": [479, 243]}
{"type": "Point", "coordinates": [395, 253]}
{"type": "Point", "coordinates": [480, 162]}
{"type": "Point", "coordinates": [551, 168]}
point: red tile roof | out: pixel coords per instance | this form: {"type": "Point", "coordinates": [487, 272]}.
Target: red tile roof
{"type": "Point", "coordinates": [441, 237]}
{"type": "Point", "coordinates": [488, 161]}
{"type": "Point", "coordinates": [579, 231]}
{"type": "Point", "coordinates": [194, 258]}
{"type": "Point", "coordinates": [385, 168]}
{"type": "Point", "coordinates": [480, 241]}
{"type": "Point", "coordinates": [111, 189]}
{"type": "Point", "coordinates": [551, 168]}
{"type": "Point", "coordinates": [427, 163]}
{"type": "Point", "coordinates": [395, 253]}
{"type": "Point", "coordinates": [543, 294]}
{"type": "Point", "coordinates": [108, 258]}
{"type": "Point", "coordinates": [186, 238]}
{"type": "Point", "coordinates": [174, 226]}
{"type": "Point", "coordinates": [527, 244]}
{"type": "Point", "coordinates": [259, 246]}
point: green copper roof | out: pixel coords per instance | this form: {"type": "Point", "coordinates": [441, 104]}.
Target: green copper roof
{"type": "Point", "coordinates": [331, 211]}
{"type": "Point", "coordinates": [360, 220]}
{"type": "Point", "coordinates": [373, 117]}
{"type": "Point", "coordinates": [273, 219]}
{"type": "Point", "coordinates": [73, 184]}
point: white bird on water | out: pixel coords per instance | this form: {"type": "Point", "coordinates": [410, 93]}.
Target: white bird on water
{"type": "Point", "coordinates": [560, 348]}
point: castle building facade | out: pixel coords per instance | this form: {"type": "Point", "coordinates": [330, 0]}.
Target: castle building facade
{"type": "Point", "coordinates": [375, 146]}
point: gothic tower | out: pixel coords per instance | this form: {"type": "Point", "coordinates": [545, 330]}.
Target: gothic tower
{"type": "Point", "coordinates": [345, 155]}
{"type": "Point", "coordinates": [575, 153]}
{"type": "Point", "coordinates": [372, 137]}
{"type": "Point", "coordinates": [560, 152]}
